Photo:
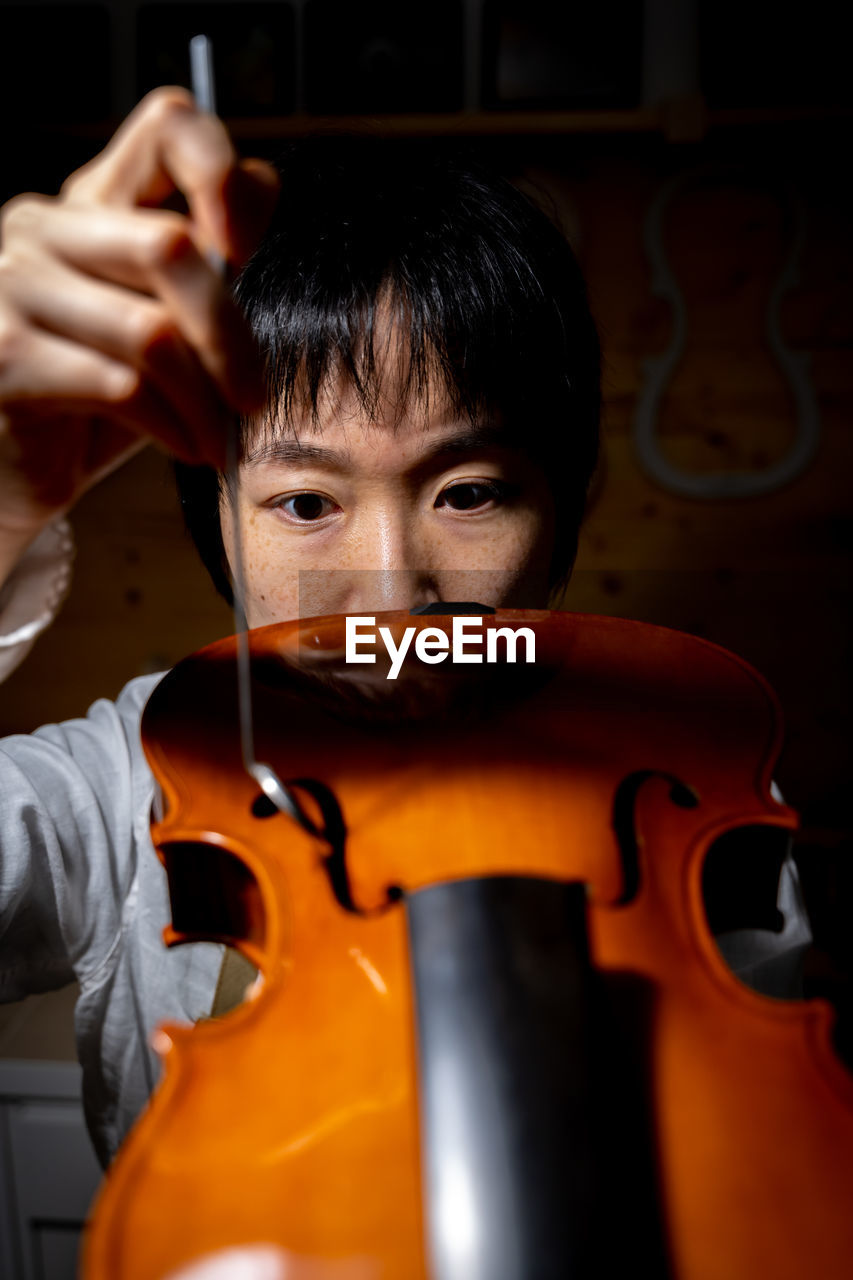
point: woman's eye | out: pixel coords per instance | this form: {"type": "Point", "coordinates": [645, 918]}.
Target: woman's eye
{"type": "Point", "coordinates": [307, 507]}
{"type": "Point", "coordinates": [471, 495]}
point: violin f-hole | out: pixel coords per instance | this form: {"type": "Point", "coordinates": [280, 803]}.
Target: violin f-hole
{"type": "Point", "coordinates": [624, 824]}
{"type": "Point", "coordinates": [332, 830]}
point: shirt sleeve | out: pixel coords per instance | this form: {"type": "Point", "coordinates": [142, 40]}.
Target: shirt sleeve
{"type": "Point", "coordinates": [771, 961]}
{"type": "Point", "coordinates": [68, 796]}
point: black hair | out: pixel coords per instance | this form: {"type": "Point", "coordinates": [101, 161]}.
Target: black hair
{"type": "Point", "coordinates": [484, 291]}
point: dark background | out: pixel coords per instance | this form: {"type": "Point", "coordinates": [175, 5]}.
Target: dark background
{"type": "Point", "coordinates": [745, 110]}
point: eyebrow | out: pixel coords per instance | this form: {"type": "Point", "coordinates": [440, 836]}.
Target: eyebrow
{"type": "Point", "coordinates": [466, 440]}
{"type": "Point", "coordinates": [292, 450]}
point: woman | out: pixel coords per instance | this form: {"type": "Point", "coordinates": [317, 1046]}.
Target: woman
{"type": "Point", "coordinates": [416, 374]}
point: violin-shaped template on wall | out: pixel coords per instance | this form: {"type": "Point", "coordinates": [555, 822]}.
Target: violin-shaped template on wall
{"type": "Point", "coordinates": [724, 250]}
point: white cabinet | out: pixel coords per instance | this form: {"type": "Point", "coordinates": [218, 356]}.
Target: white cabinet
{"type": "Point", "coordinates": [48, 1170]}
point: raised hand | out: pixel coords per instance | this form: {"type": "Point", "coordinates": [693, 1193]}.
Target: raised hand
{"type": "Point", "coordinates": [116, 327]}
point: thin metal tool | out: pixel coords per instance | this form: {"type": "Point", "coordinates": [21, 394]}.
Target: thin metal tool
{"type": "Point", "coordinates": [204, 91]}
{"type": "Point", "coordinates": [201, 73]}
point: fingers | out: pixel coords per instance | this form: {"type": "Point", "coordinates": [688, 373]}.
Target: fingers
{"type": "Point", "coordinates": [167, 144]}
{"type": "Point", "coordinates": [164, 145]}
{"type": "Point", "coordinates": [43, 377]}
{"type": "Point", "coordinates": [111, 306]}
{"type": "Point", "coordinates": [210, 323]}
{"type": "Point", "coordinates": [137, 332]}
{"type": "Point", "coordinates": [250, 195]}
{"type": "Point", "coordinates": [179, 324]}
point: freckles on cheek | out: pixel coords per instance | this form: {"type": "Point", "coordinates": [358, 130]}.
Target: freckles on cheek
{"type": "Point", "coordinates": [272, 586]}
{"type": "Point", "coordinates": [519, 554]}
{"type": "Point", "coordinates": [512, 547]}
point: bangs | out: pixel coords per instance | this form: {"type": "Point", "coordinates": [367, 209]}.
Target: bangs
{"type": "Point", "coordinates": [386, 351]}
{"type": "Point", "coordinates": [399, 272]}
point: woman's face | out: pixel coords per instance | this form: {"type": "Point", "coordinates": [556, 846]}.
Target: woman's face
{"type": "Point", "coordinates": [354, 514]}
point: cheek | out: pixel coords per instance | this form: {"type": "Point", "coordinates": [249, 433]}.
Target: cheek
{"type": "Point", "coordinates": [272, 596]}
{"type": "Point", "coordinates": [529, 553]}
{"type": "Point", "coordinates": [272, 589]}
{"type": "Point", "coordinates": [505, 564]}
{"type": "Point", "coordinates": [521, 542]}
{"type": "Point", "coordinates": [537, 533]}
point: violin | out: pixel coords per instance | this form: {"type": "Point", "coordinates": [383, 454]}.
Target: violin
{"type": "Point", "coordinates": [495, 1036]}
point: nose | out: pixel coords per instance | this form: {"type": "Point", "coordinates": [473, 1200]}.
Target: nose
{"type": "Point", "coordinates": [391, 567]}
{"type": "Point", "coordinates": [375, 590]}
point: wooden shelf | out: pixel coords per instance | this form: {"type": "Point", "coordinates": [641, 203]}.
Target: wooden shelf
{"type": "Point", "coordinates": [448, 124]}
{"type": "Point", "coordinates": [670, 119]}
{"type": "Point", "coordinates": [683, 120]}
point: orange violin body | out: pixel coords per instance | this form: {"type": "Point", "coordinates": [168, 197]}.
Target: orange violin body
{"type": "Point", "coordinates": [613, 762]}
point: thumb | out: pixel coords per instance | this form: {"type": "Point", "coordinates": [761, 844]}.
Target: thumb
{"type": "Point", "coordinates": [250, 195]}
